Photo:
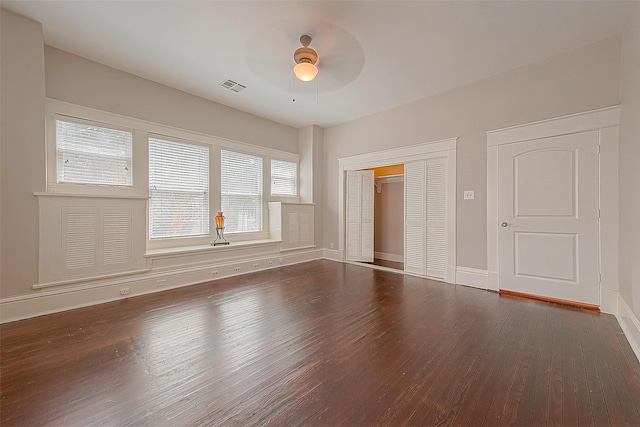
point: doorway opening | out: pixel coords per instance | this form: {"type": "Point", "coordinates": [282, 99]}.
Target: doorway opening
{"type": "Point", "coordinates": [388, 217]}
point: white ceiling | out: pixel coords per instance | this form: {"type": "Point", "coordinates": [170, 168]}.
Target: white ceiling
{"type": "Point", "coordinates": [373, 55]}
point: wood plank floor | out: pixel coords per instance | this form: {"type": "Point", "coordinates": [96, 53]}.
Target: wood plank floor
{"type": "Point", "coordinates": [390, 264]}
{"type": "Point", "coordinates": [319, 344]}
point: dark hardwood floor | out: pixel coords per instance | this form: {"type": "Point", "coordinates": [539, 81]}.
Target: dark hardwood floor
{"type": "Point", "coordinates": [389, 264]}
{"type": "Point", "coordinates": [319, 344]}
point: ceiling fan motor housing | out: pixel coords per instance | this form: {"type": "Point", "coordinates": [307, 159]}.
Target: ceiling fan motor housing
{"type": "Point", "coordinates": [305, 53]}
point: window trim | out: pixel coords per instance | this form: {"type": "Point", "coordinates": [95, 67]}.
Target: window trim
{"type": "Point", "coordinates": [264, 214]}
{"type": "Point", "coordinates": [142, 129]}
{"type": "Point", "coordinates": [76, 120]}
{"type": "Point", "coordinates": [188, 239]}
{"type": "Point", "coordinates": [66, 112]}
{"type": "Point", "coordinates": [297, 180]}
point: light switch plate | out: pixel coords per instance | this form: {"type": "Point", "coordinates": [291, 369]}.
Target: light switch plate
{"type": "Point", "coordinates": [469, 195]}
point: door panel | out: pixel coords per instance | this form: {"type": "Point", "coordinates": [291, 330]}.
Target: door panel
{"type": "Point", "coordinates": [415, 218]}
{"type": "Point", "coordinates": [548, 209]}
{"type": "Point", "coordinates": [532, 190]}
{"type": "Point", "coordinates": [360, 208]}
{"type": "Point", "coordinates": [437, 218]}
{"type": "Point", "coordinates": [426, 233]}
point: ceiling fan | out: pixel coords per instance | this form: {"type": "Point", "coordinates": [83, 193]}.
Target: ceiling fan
{"type": "Point", "coordinates": [268, 55]}
{"type": "Point", "coordinates": [306, 58]}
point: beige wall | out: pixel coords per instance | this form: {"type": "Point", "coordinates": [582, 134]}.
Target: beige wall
{"type": "Point", "coordinates": [580, 80]}
{"type": "Point", "coordinates": [629, 170]}
{"type": "Point", "coordinates": [23, 150]}
{"type": "Point", "coordinates": [80, 81]}
{"type": "Point", "coordinates": [310, 148]}
{"type": "Point", "coordinates": [389, 218]}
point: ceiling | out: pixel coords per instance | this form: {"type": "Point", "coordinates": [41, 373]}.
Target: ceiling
{"type": "Point", "coordinates": [373, 55]}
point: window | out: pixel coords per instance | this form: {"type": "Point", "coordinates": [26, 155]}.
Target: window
{"type": "Point", "coordinates": [284, 178]}
{"type": "Point", "coordinates": [91, 154]}
{"type": "Point", "coordinates": [178, 189]}
{"type": "Point", "coordinates": [241, 188]}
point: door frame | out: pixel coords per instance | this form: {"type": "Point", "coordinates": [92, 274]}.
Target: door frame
{"type": "Point", "coordinates": [606, 121]}
{"type": "Point", "coordinates": [403, 155]}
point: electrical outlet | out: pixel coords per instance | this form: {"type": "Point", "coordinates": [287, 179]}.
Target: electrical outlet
{"type": "Point", "coordinates": [237, 269]}
{"type": "Point", "coordinates": [270, 262]}
{"type": "Point", "coordinates": [255, 265]}
{"type": "Point", "coordinates": [469, 195]}
{"type": "Point", "coordinates": [331, 245]}
{"type": "Point", "coordinates": [161, 282]}
{"type": "Point", "coordinates": [214, 273]}
{"type": "Point", "coordinates": [125, 291]}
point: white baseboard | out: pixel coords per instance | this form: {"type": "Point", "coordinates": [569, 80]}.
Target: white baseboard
{"type": "Point", "coordinates": [332, 254]}
{"type": "Point", "coordinates": [630, 325]}
{"type": "Point", "coordinates": [86, 294]}
{"type": "Point", "coordinates": [389, 257]}
{"type": "Point", "coordinates": [609, 301]}
{"type": "Point", "coordinates": [493, 281]}
{"type": "Point", "coordinates": [473, 277]}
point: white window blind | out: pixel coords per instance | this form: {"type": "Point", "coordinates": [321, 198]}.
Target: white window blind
{"type": "Point", "coordinates": [178, 189]}
{"type": "Point", "coordinates": [90, 154]}
{"type": "Point", "coordinates": [284, 178]}
{"type": "Point", "coordinates": [241, 188]}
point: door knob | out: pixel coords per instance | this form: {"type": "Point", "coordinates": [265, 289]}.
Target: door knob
{"type": "Point", "coordinates": [504, 224]}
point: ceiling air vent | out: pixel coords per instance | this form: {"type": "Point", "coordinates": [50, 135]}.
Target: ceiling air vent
{"type": "Point", "coordinates": [231, 85]}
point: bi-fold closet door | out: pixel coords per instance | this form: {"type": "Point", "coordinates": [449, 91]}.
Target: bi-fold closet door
{"type": "Point", "coordinates": [359, 213]}
{"type": "Point", "coordinates": [426, 233]}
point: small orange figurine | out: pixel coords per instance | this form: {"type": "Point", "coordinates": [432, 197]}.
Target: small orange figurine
{"type": "Point", "coordinates": [219, 220]}
{"type": "Point", "coordinates": [220, 240]}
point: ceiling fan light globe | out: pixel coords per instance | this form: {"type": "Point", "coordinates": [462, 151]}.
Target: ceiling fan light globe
{"type": "Point", "coordinates": [305, 71]}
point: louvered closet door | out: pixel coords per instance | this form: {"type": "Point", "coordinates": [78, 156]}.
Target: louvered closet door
{"type": "Point", "coordinates": [425, 226]}
{"type": "Point", "coordinates": [415, 218]}
{"type": "Point", "coordinates": [437, 217]}
{"type": "Point", "coordinates": [359, 241]}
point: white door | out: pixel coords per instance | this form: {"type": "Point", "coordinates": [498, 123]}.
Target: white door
{"type": "Point", "coordinates": [548, 212]}
{"type": "Point", "coordinates": [415, 202]}
{"type": "Point", "coordinates": [425, 206]}
{"type": "Point", "coordinates": [437, 242]}
{"type": "Point", "coordinates": [360, 231]}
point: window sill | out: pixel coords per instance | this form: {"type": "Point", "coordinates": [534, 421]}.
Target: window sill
{"type": "Point", "coordinates": [186, 250]}
{"type": "Point", "coordinates": [91, 196]}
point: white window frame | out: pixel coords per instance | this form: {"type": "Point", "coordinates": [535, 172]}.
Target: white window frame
{"type": "Point", "coordinates": [67, 112]}
{"type": "Point", "coordinates": [76, 121]}
{"type": "Point", "coordinates": [184, 239]}
{"type": "Point", "coordinates": [285, 197]}
{"type": "Point", "coordinates": [263, 233]}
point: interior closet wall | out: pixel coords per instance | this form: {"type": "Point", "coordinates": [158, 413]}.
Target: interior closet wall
{"type": "Point", "coordinates": [389, 220]}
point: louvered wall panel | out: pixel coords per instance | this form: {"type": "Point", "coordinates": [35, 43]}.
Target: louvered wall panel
{"type": "Point", "coordinates": [294, 226]}
{"type": "Point", "coordinates": [414, 211]}
{"type": "Point", "coordinates": [304, 228]}
{"type": "Point", "coordinates": [79, 241]}
{"type": "Point", "coordinates": [292, 223]}
{"type": "Point", "coordinates": [96, 240]}
{"type": "Point", "coordinates": [116, 239]}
